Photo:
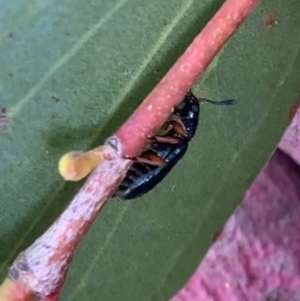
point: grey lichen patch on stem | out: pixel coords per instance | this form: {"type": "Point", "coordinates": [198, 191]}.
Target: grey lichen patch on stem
{"type": "Point", "coordinates": [43, 266]}
{"type": "Point", "coordinates": [115, 143]}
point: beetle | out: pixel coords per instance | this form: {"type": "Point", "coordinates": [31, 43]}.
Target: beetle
{"type": "Point", "coordinates": [163, 152]}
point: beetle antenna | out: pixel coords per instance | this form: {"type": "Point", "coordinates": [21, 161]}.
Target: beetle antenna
{"type": "Point", "coordinates": [223, 102]}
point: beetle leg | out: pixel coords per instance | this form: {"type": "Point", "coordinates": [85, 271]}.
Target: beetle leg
{"type": "Point", "coordinates": [165, 139]}
{"type": "Point", "coordinates": [151, 158]}
{"type": "Point", "coordinates": [161, 136]}
{"type": "Point", "coordinates": [165, 128]}
{"type": "Point", "coordinates": [178, 126]}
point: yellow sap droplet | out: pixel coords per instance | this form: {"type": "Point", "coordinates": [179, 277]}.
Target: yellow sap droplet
{"type": "Point", "coordinates": [76, 165]}
{"type": "Point", "coordinates": [73, 166]}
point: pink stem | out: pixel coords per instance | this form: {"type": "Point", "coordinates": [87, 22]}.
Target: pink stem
{"type": "Point", "coordinates": [42, 267]}
{"type": "Point", "coordinates": [158, 105]}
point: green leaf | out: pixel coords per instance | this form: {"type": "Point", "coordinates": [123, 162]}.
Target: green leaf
{"type": "Point", "coordinates": [73, 71]}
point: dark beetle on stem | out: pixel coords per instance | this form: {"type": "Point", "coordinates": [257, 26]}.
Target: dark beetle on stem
{"type": "Point", "coordinates": [163, 152]}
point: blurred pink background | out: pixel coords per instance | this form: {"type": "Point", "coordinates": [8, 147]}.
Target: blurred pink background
{"type": "Point", "coordinates": [257, 255]}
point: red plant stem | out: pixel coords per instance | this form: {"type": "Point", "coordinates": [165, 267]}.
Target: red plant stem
{"type": "Point", "coordinates": [42, 267]}
{"type": "Point", "coordinates": [158, 105]}
{"type": "Point", "coordinates": [15, 291]}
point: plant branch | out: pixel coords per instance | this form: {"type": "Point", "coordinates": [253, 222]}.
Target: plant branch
{"type": "Point", "coordinates": [41, 269]}
{"type": "Point", "coordinates": [157, 106]}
